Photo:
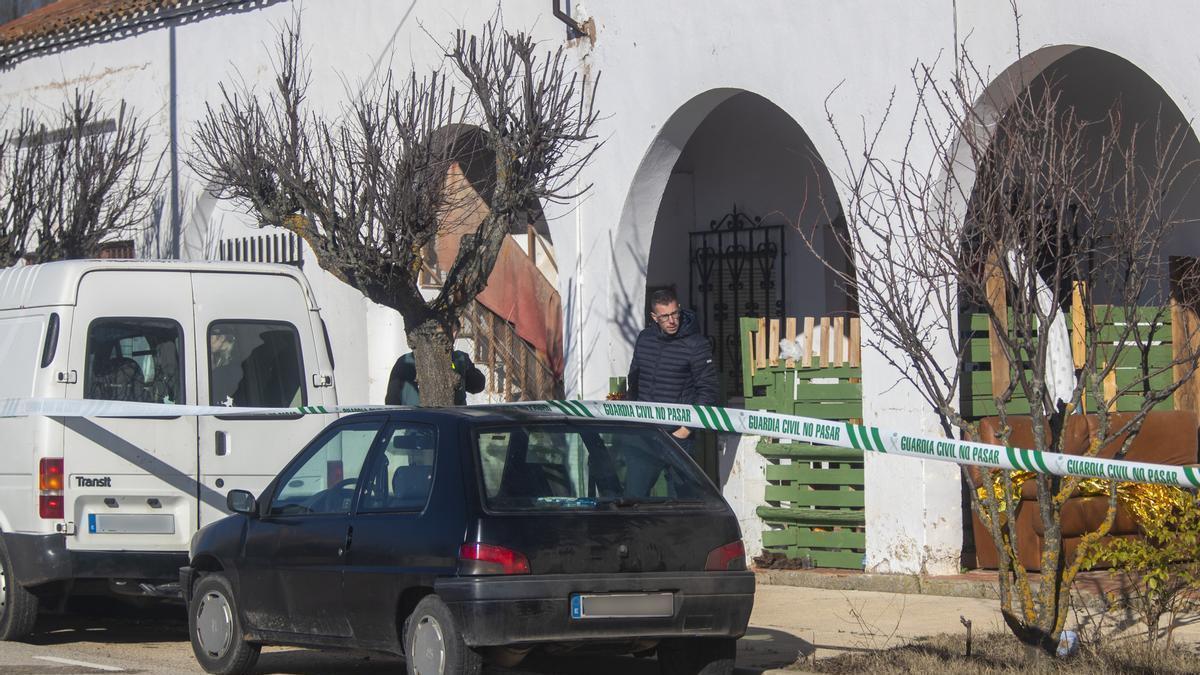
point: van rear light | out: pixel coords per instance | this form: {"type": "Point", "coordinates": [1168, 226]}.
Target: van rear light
{"type": "Point", "coordinates": [731, 556]}
{"type": "Point", "coordinates": [50, 507]}
{"type": "Point", "coordinates": [50, 484]}
{"type": "Point", "coordinates": [50, 474]}
{"type": "Point", "coordinates": [477, 558]}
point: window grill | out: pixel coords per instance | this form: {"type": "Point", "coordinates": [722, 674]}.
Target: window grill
{"type": "Point", "coordinates": [267, 248]}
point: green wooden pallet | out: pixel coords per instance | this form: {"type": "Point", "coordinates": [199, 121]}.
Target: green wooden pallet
{"type": "Point", "coordinates": [815, 498]}
{"type": "Point", "coordinates": [977, 400]}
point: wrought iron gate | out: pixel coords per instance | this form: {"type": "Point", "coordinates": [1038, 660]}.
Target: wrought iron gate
{"type": "Point", "coordinates": [737, 270]}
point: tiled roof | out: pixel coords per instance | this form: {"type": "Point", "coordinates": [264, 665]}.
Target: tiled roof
{"type": "Point", "coordinates": [69, 16]}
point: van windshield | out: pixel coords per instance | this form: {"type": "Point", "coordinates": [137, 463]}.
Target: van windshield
{"type": "Point", "coordinates": [586, 466]}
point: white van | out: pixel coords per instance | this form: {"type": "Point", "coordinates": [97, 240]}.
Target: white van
{"type": "Point", "coordinates": [117, 499]}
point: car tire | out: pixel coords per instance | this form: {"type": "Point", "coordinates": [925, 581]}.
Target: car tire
{"type": "Point", "coordinates": [18, 606]}
{"type": "Point", "coordinates": [697, 656]}
{"type": "Point", "coordinates": [215, 627]}
{"type": "Point", "coordinates": [433, 643]}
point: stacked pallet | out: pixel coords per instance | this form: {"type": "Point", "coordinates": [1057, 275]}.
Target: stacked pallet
{"type": "Point", "coordinates": [815, 508]}
{"type": "Point", "coordinates": [1141, 340]}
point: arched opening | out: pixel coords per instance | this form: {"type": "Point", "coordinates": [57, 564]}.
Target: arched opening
{"type": "Point", "coordinates": [723, 209]}
{"type": "Point", "coordinates": [1092, 86]}
{"type": "Point", "coordinates": [743, 199]}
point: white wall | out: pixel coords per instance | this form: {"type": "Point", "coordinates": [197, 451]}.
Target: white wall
{"type": "Point", "coordinates": [744, 484]}
{"type": "Point", "coordinates": [666, 67]}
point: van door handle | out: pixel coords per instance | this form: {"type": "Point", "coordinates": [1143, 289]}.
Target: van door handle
{"type": "Point", "coordinates": [322, 380]}
{"type": "Point", "coordinates": [222, 444]}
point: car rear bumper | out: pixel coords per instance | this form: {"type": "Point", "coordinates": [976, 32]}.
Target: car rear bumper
{"type": "Point", "coordinates": [530, 609]}
{"type": "Point", "coordinates": [42, 558]}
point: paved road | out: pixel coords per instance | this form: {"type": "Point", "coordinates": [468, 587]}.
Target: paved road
{"type": "Point", "coordinates": [788, 623]}
{"type": "Point", "coordinates": [105, 638]}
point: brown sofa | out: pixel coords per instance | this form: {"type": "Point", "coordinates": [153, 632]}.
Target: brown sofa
{"type": "Point", "coordinates": [1167, 437]}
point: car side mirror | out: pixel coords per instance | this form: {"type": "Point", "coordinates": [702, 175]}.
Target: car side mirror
{"type": "Point", "coordinates": [241, 501]}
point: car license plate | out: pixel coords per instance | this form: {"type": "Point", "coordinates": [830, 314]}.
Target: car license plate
{"type": "Point", "coordinates": [622, 605]}
{"type": "Point", "coordinates": [134, 523]}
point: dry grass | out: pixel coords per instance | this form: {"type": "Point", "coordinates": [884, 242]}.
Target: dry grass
{"type": "Point", "coordinates": [1001, 653]}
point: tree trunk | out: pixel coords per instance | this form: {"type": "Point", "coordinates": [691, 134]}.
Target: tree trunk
{"type": "Point", "coordinates": [432, 344]}
{"type": "Point", "coordinates": [1035, 656]}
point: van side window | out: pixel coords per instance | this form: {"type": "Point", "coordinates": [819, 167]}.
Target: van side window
{"type": "Point", "coordinates": [255, 364]}
{"type": "Point", "coordinates": [51, 344]}
{"type": "Point", "coordinates": [133, 359]}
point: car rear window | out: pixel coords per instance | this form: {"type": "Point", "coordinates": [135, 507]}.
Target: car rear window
{"type": "Point", "coordinates": [576, 466]}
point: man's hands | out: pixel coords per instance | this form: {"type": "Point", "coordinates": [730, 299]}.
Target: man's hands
{"type": "Point", "coordinates": [682, 432]}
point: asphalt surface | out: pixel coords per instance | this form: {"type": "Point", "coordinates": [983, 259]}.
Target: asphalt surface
{"type": "Point", "coordinates": [102, 636]}
{"type": "Point", "coordinates": [790, 626]}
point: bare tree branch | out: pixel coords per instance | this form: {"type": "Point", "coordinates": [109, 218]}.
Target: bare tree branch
{"type": "Point", "coordinates": [1038, 219]}
{"type": "Point", "coordinates": [70, 182]}
{"type": "Point", "coordinates": [367, 188]}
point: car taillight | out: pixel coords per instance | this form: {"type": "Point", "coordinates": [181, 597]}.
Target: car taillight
{"type": "Point", "coordinates": [731, 556]}
{"type": "Point", "coordinates": [50, 507]}
{"type": "Point", "coordinates": [50, 474]}
{"type": "Point", "coordinates": [490, 559]}
{"type": "Point", "coordinates": [50, 484]}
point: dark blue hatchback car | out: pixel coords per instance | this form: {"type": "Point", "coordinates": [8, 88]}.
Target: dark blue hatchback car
{"type": "Point", "coordinates": [465, 535]}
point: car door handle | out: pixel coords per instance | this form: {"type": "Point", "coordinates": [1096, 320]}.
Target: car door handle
{"type": "Point", "coordinates": [349, 540]}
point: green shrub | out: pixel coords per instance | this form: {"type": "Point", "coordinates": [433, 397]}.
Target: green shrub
{"type": "Point", "coordinates": [1159, 572]}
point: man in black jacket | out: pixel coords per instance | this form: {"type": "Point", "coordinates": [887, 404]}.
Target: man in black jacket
{"type": "Point", "coordinates": [673, 362]}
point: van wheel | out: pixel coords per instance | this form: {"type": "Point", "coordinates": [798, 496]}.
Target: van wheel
{"type": "Point", "coordinates": [18, 607]}
{"type": "Point", "coordinates": [697, 656]}
{"type": "Point", "coordinates": [216, 628]}
{"type": "Point", "coordinates": [433, 643]}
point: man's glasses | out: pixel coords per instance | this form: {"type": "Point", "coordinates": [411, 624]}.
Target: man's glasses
{"type": "Point", "coordinates": [664, 318]}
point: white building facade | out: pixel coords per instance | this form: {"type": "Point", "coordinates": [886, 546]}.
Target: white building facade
{"type": "Point", "coordinates": [706, 106]}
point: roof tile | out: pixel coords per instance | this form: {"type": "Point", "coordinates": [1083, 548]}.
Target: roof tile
{"type": "Point", "coordinates": [66, 16]}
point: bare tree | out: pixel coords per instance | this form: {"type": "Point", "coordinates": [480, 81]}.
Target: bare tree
{"type": "Point", "coordinates": [1035, 217]}
{"type": "Point", "coordinates": [71, 181]}
{"type": "Point", "coordinates": [367, 188]}
{"type": "Point", "coordinates": [19, 163]}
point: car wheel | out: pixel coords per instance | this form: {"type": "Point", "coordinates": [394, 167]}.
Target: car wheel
{"type": "Point", "coordinates": [433, 643]}
{"type": "Point", "coordinates": [697, 656]}
{"type": "Point", "coordinates": [18, 607]}
{"type": "Point", "coordinates": [216, 628]}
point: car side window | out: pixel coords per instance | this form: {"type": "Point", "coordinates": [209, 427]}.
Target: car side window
{"type": "Point", "coordinates": [255, 364]}
{"type": "Point", "coordinates": [401, 477]}
{"type": "Point", "coordinates": [326, 477]}
{"type": "Point", "coordinates": [134, 359]}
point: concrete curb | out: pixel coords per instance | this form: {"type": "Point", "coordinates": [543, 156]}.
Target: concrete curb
{"type": "Point", "coordinates": [883, 583]}
{"type": "Point", "coordinates": [950, 587]}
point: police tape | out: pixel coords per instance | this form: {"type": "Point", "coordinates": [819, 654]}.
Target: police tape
{"type": "Point", "coordinates": [773, 425]}
{"type": "Point", "coordinates": [57, 407]}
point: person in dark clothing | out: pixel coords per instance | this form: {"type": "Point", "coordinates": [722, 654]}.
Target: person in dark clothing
{"type": "Point", "coordinates": [402, 383]}
{"type": "Point", "coordinates": [672, 363]}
